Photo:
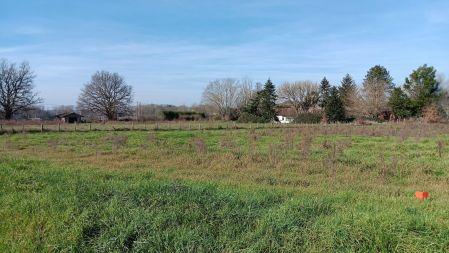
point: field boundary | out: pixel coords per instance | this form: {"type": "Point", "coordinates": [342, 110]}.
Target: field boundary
{"type": "Point", "coordinates": [137, 126]}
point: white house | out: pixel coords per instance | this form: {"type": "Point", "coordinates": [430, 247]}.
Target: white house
{"type": "Point", "coordinates": [284, 120]}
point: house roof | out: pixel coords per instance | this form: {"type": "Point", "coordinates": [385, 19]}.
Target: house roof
{"type": "Point", "coordinates": [68, 114]}
{"type": "Point", "coordinates": [286, 111]}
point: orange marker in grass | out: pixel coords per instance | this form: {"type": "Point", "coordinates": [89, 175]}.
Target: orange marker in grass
{"type": "Point", "coordinates": [422, 195]}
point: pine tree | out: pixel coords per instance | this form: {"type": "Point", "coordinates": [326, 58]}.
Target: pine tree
{"type": "Point", "coordinates": [262, 107]}
{"type": "Point", "coordinates": [422, 87]}
{"type": "Point", "coordinates": [400, 104]}
{"type": "Point", "coordinates": [334, 108]}
{"type": "Point", "coordinates": [324, 92]}
{"type": "Point", "coordinates": [377, 88]}
{"type": "Point", "coordinates": [348, 94]}
{"type": "Point", "coordinates": [347, 88]}
{"type": "Point", "coordinates": [267, 103]}
{"type": "Point", "coordinates": [380, 74]}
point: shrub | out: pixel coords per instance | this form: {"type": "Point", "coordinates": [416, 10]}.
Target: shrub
{"type": "Point", "coordinates": [181, 115]}
{"type": "Point", "coordinates": [170, 115]}
{"type": "Point", "coordinates": [251, 118]}
{"type": "Point", "coordinates": [309, 118]}
{"type": "Point", "coordinates": [431, 114]}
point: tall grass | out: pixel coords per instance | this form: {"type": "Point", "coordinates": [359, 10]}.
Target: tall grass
{"type": "Point", "coordinates": [311, 189]}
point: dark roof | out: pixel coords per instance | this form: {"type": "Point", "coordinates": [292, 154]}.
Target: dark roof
{"type": "Point", "coordinates": [68, 114]}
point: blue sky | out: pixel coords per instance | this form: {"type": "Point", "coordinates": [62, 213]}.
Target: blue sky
{"type": "Point", "coordinates": [168, 50]}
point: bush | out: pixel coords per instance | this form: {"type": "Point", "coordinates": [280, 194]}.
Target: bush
{"type": "Point", "coordinates": [251, 118]}
{"type": "Point", "coordinates": [432, 114]}
{"type": "Point", "coordinates": [170, 115]}
{"type": "Point", "coordinates": [181, 115]}
{"type": "Point", "coordinates": [309, 118]}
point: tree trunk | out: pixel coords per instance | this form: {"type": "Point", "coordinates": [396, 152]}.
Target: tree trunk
{"type": "Point", "coordinates": [111, 116]}
{"type": "Point", "coordinates": [8, 114]}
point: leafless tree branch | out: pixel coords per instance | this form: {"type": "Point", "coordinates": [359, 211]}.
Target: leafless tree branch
{"type": "Point", "coordinates": [106, 94]}
{"type": "Point", "coordinates": [16, 88]}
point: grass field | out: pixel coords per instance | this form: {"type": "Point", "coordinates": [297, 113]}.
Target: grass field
{"type": "Point", "coordinates": [335, 188]}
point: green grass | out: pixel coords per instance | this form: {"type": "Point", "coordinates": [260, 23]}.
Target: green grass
{"type": "Point", "coordinates": [81, 192]}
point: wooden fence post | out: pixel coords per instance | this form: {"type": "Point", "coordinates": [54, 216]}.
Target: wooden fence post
{"type": "Point", "coordinates": [59, 127]}
{"type": "Point", "coordinates": [23, 128]}
{"type": "Point", "coordinates": [42, 127]}
{"type": "Point", "coordinates": [75, 126]}
{"type": "Point", "coordinates": [90, 126]}
{"type": "Point", "coordinates": [157, 126]}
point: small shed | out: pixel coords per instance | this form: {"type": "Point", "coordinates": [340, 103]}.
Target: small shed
{"type": "Point", "coordinates": [70, 117]}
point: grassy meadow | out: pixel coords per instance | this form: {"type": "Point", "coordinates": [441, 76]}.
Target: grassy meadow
{"type": "Point", "coordinates": [310, 188]}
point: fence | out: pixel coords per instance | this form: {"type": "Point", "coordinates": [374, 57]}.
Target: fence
{"type": "Point", "coordinates": [17, 127]}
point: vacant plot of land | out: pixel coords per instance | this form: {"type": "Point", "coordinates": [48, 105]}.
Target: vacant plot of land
{"type": "Point", "coordinates": [310, 188]}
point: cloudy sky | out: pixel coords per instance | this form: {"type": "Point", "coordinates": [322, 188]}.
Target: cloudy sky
{"type": "Point", "coordinates": [168, 50]}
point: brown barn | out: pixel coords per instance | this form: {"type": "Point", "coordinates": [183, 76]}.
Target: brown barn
{"type": "Point", "coordinates": [70, 117]}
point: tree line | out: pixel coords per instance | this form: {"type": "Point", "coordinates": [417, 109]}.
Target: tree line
{"type": "Point", "coordinates": [106, 94]}
{"type": "Point", "coordinates": [377, 98]}
{"type": "Point", "coordinates": [109, 96]}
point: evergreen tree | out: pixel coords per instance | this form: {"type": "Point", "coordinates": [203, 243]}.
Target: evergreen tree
{"type": "Point", "coordinates": [262, 107]}
{"type": "Point", "coordinates": [422, 87]}
{"type": "Point", "coordinates": [334, 108]}
{"type": "Point", "coordinates": [400, 104]}
{"type": "Point", "coordinates": [347, 88]}
{"type": "Point", "coordinates": [379, 74]}
{"type": "Point", "coordinates": [348, 93]}
{"type": "Point", "coordinates": [377, 88]}
{"type": "Point", "coordinates": [267, 102]}
{"type": "Point", "coordinates": [324, 92]}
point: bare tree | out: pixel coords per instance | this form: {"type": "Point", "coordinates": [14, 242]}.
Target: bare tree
{"type": "Point", "coordinates": [375, 97]}
{"type": "Point", "coordinates": [246, 92]}
{"type": "Point", "coordinates": [223, 94]}
{"type": "Point", "coordinates": [377, 87]}
{"type": "Point", "coordinates": [106, 94]}
{"type": "Point", "coordinates": [62, 109]}
{"type": "Point", "coordinates": [16, 89]}
{"type": "Point", "coordinates": [302, 95]}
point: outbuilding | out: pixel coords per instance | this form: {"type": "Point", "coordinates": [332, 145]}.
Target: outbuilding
{"type": "Point", "coordinates": [70, 117]}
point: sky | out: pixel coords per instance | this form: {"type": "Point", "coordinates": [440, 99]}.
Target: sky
{"type": "Point", "coordinates": [169, 50]}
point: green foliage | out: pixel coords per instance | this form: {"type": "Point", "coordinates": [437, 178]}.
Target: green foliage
{"type": "Point", "coordinates": [334, 108]}
{"type": "Point", "coordinates": [422, 87]}
{"type": "Point", "coordinates": [400, 104]}
{"type": "Point", "coordinates": [324, 92]}
{"type": "Point", "coordinates": [309, 118]}
{"type": "Point", "coordinates": [377, 87]}
{"type": "Point", "coordinates": [347, 88]}
{"type": "Point", "coordinates": [251, 118]}
{"type": "Point", "coordinates": [170, 115]}
{"type": "Point", "coordinates": [184, 115]}
{"type": "Point", "coordinates": [263, 106]}
{"type": "Point", "coordinates": [379, 74]}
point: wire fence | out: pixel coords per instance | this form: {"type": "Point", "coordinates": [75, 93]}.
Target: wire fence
{"type": "Point", "coordinates": [17, 127]}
